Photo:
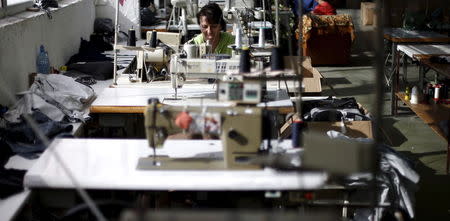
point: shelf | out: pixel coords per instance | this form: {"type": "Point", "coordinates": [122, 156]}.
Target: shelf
{"type": "Point", "coordinates": [441, 69]}
{"type": "Point", "coordinates": [431, 114]}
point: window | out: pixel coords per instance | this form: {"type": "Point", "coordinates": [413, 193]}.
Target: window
{"type": "Point", "coordinates": [11, 7]}
{"type": "Point", "coordinates": [15, 2]}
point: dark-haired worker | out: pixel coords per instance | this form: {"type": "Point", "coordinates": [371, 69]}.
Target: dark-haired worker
{"type": "Point", "coordinates": [213, 28]}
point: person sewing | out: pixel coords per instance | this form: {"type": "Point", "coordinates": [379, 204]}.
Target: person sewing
{"type": "Point", "coordinates": [324, 8]}
{"type": "Point", "coordinates": [212, 26]}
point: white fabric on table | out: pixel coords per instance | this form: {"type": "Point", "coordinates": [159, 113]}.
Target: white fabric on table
{"type": "Point", "coordinates": [111, 164]}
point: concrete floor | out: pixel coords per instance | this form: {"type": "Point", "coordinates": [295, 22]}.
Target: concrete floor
{"type": "Point", "coordinates": [406, 133]}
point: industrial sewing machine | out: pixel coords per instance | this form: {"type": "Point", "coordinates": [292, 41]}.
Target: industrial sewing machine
{"type": "Point", "coordinates": [152, 59]}
{"type": "Point", "coordinates": [201, 68]}
{"type": "Point", "coordinates": [237, 88]}
{"type": "Point", "coordinates": [239, 129]}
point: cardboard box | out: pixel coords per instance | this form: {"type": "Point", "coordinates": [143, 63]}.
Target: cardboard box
{"type": "Point", "coordinates": [368, 15]}
{"type": "Point", "coordinates": [353, 129]}
{"type": "Point", "coordinates": [312, 86]}
{"type": "Point", "coordinates": [337, 156]}
{"type": "Point", "coordinates": [308, 70]}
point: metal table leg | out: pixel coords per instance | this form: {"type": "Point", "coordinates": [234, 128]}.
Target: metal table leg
{"type": "Point", "coordinates": [394, 54]}
{"type": "Point", "coordinates": [421, 76]}
{"type": "Point", "coordinates": [394, 85]}
{"type": "Point", "coordinates": [405, 67]}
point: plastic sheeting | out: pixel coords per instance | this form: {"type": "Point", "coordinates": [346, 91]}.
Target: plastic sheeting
{"type": "Point", "coordinates": [397, 180]}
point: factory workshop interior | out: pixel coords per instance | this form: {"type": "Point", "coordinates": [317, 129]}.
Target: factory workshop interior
{"type": "Point", "coordinates": [224, 110]}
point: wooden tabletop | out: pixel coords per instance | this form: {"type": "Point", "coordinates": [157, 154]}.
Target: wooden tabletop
{"type": "Point", "coordinates": [135, 100]}
{"type": "Point", "coordinates": [431, 114]}
{"type": "Point", "coordinates": [141, 109]}
{"type": "Point", "coordinates": [400, 35]}
{"type": "Point", "coordinates": [117, 109]}
{"type": "Point", "coordinates": [413, 50]}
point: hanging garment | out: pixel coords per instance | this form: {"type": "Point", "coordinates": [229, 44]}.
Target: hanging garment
{"type": "Point", "coordinates": [397, 180]}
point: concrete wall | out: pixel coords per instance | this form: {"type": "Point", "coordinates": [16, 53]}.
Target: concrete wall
{"type": "Point", "coordinates": [22, 34]}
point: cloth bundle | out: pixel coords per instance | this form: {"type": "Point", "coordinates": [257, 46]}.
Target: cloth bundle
{"type": "Point", "coordinates": [332, 109]}
{"type": "Point", "coordinates": [57, 96]}
{"type": "Point", "coordinates": [22, 140]}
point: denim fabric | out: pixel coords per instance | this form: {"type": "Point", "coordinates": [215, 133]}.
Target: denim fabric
{"type": "Point", "coordinates": [11, 182]}
{"type": "Point", "coordinates": [5, 152]}
{"type": "Point", "coordinates": [23, 141]}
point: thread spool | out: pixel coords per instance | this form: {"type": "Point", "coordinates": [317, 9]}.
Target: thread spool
{"type": "Point", "coordinates": [244, 62]}
{"type": "Point", "coordinates": [208, 47]}
{"type": "Point", "coordinates": [276, 60]}
{"type": "Point", "coordinates": [437, 90]}
{"type": "Point", "coordinates": [238, 39]}
{"type": "Point", "coordinates": [191, 50]}
{"type": "Point", "coordinates": [407, 94]}
{"type": "Point", "coordinates": [343, 127]}
{"type": "Point", "coordinates": [297, 133]}
{"type": "Point", "coordinates": [414, 95]}
{"type": "Point", "coordinates": [131, 37]}
{"type": "Point", "coordinates": [153, 40]}
{"type": "Point", "coordinates": [258, 14]}
{"type": "Point", "coordinates": [262, 38]}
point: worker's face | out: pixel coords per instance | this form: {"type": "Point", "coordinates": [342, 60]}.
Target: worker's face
{"type": "Point", "coordinates": [210, 31]}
